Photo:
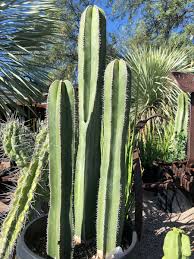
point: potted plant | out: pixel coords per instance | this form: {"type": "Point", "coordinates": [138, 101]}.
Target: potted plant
{"type": "Point", "coordinates": [90, 180]}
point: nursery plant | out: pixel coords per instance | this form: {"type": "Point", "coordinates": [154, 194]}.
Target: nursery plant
{"type": "Point", "coordinates": [100, 157]}
{"type": "Point", "coordinates": [176, 245]}
{"type": "Point", "coordinates": [90, 154]}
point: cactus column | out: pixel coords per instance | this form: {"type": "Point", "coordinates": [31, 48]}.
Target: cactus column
{"type": "Point", "coordinates": [113, 172]}
{"type": "Point", "coordinates": [182, 115]}
{"type": "Point", "coordinates": [61, 150]}
{"type": "Point", "coordinates": [91, 65]}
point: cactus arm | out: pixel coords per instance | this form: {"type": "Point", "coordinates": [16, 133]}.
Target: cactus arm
{"type": "Point", "coordinates": [91, 63]}
{"type": "Point", "coordinates": [181, 119]}
{"type": "Point", "coordinates": [61, 137]}
{"type": "Point", "coordinates": [186, 246]}
{"type": "Point", "coordinates": [23, 196]}
{"type": "Point", "coordinates": [111, 195]}
{"type": "Point", "coordinates": [172, 245]}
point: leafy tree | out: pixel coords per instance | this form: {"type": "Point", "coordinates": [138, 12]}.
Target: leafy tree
{"type": "Point", "coordinates": [61, 57]}
{"type": "Point", "coordinates": [157, 21]}
{"type": "Point", "coordinates": [24, 32]}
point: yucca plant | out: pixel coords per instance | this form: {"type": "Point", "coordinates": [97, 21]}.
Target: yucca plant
{"type": "Point", "coordinates": [25, 29]}
{"type": "Point", "coordinates": [154, 89]}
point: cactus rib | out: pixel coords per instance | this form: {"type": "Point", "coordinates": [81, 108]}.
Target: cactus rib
{"type": "Point", "coordinates": [111, 195]}
{"type": "Point", "coordinates": [91, 65]}
{"type": "Point", "coordinates": [61, 145]}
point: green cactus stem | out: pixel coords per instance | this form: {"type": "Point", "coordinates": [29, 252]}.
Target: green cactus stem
{"type": "Point", "coordinates": [91, 65]}
{"type": "Point", "coordinates": [176, 245]}
{"type": "Point", "coordinates": [113, 171]}
{"type": "Point", "coordinates": [23, 196]}
{"type": "Point", "coordinates": [18, 142]}
{"type": "Point", "coordinates": [181, 120]}
{"type": "Point", "coordinates": [61, 149]}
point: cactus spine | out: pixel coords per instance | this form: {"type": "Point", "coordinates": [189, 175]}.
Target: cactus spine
{"type": "Point", "coordinates": [24, 194]}
{"type": "Point", "coordinates": [113, 171]}
{"type": "Point", "coordinates": [181, 120]}
{"type": "Point", "coordinates": [176, 245]}
{"type": "Point", "coordinates": [61, 149]}
{"type": "Point", "coordinates": [91, 65]}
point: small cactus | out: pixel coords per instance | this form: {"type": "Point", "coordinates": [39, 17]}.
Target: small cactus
{"type": "Point", "coordinates": [176, 245]}
{"type": "Point", "coordinates": [24, 195]}
{"type": "Point", "coordinates": [18, 142]}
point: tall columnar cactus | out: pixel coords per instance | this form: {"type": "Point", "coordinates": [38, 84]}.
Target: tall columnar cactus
{"type": "Point", "coordinates": [181, 120]}
{"type": "Point", "coordinates": [91, 65]}
{"type": "Point", "coordinates": [176, 245]}
{"type": "Point", "coordinates": [113, 172]}
{"type": "Point", "coordinates": [61, 149]}
{"type": "Point", "coordinates": [18, 142]}
{"type": "Point", "coordinates": [24, 194]}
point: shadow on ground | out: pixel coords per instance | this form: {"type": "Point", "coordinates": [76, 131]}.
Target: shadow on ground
{"type": "Point", "coordinates": [156, 224]}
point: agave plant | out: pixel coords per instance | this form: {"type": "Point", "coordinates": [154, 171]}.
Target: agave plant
{"type": "Point", "coordinates": [154, 89]}
{"type": "Point", "coordinates": [24, 31]}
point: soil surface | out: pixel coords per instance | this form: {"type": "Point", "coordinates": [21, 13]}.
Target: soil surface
{"type": "Point", "coordinates": [156, 224]}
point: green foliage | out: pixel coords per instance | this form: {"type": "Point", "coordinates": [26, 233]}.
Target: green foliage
{"type": "Point", "coordinates": [166, 140]}
{"type": "Point", "coordinates": [158, 21]}
{"type": "Point", "coordinates": [153, 88]}
{"type": "Point", "coordinates": [177, 149]}
{"type": "Point", "coordinates": [154, 141]}
{"type": "Point", "coordinates": [176, 245]}
{"type": "Point", "coordinates": [24, 193]}
{"type": "Point", "coordinates": [23, 36]}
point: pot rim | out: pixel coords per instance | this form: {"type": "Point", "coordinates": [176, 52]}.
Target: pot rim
{"type": "Point", "coordinates": [21, 243]}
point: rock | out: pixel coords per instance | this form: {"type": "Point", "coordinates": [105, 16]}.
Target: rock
{"type": "Point", "coordinates": [174, 201]}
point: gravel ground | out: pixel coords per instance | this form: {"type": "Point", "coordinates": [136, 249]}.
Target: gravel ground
{"type": "Point", "coordinates": [156, 224]}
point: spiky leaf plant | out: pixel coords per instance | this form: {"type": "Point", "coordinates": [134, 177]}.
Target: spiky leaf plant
{"type": "Point", "coordinates": [154, 89]}
{"type": "Point", "coordinates": [23, 37]}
